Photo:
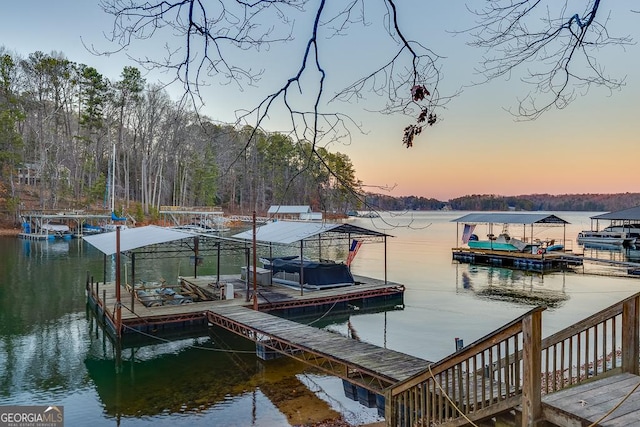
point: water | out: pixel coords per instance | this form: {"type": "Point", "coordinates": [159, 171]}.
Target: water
{"type": "Point", "coordinates": [52, 352]}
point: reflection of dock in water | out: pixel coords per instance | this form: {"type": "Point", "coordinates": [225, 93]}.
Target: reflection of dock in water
{"type": "Point", "coordinates": [513, 286]}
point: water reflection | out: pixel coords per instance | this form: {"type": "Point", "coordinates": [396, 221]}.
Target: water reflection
{"type": "Point", "coordinates": [203, 376]}
{"type": "Point", "coordinates": [514, 286]}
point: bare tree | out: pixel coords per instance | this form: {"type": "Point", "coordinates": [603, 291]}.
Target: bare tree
{"type": "Point", "coordinates": [210, 36]}
{"type": "Point", "coordinates": [552, 44]}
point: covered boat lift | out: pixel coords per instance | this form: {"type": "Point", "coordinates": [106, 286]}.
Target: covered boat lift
{"type": "Point", "coordinates": [625, 218]}
{"type": "Point", "coordinates": [288, 233]}
{"type": "Point", "coordinates": [539, 260]}
{"type": "Point", "coordinates": [524, 219]}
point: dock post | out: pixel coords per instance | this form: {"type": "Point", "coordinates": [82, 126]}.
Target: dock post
{"type": "Point", "coordinates": [118, 312]}
{"type": "Point", "coordinates": [133, 281]}
{"type": "Point", "coordinates": [246, 276]}
{"type": "Point", "coordinates": [532, 367]}
{"type": "Point", "coordinates": [385, 259]}
{"type": "Point", "coordinates": [630, 335]}
{"type": "Point", "coordinates": [255, 268]}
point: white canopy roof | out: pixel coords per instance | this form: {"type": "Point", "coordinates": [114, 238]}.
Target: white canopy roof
{"type": "Point", "coordinates": [631, 214]}
{"type": "Point", "coordinates": [287, 210]}
{"type": "Point", "coordinates": [133, 238]}
{"type": "Point", "coordinates": [287, 232]}
{"type": "Point", "coordinates": [510, 218]}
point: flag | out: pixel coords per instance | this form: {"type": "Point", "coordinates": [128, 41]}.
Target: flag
{"type": "Point", "coordinates": [468, 231]}
{"type": "Point", "coordinates": [353, 250]}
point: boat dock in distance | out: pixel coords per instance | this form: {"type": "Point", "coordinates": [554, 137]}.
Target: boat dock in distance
{"type": "Point", "coordinates": [503, 250]}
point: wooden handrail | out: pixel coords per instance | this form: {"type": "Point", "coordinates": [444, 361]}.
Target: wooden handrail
{"type": "Point", "coordinates": [467, 352]}
{"type": "Point", "coordinates": [592, 320]}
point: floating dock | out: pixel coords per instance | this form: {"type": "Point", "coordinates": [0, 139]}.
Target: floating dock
{"type": "Point", "coordinates": [365, 368]}
{"type": "Point", "coordinates": [208, 293]}
{"type": "Point", "coordinates": [545, 262]}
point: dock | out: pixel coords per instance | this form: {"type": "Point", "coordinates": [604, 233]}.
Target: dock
{"type": "Point", "coordinates": [365, 368]}
{"type": "Point", "coordinates": [512, 372]}
{"type": "Point", "coordinates": [543, 262]}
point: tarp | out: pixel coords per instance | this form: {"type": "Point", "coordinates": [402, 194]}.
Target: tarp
{"type": "Point", "coordinates": [114, 217]}
{"type": "Point", "coordinates": [319, 274]}
{"type": "Point", "coordinates": [133, 238]}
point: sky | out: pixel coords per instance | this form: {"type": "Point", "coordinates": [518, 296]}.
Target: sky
{"type": "Point", "coordinates": [591, 146]}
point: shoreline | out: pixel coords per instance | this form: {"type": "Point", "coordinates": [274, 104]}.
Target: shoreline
{"type": "Point", "coordinates": [9, 232]}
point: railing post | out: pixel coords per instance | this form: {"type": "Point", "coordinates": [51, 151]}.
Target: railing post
{"type": "Point", "coordinates": [389, 407]}
{"type": "Point", "coordinates": [532, 366]}
{"type": "Point", "coordinates": [630, 335]}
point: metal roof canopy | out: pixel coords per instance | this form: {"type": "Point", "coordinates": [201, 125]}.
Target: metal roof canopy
{"type": "Point", "coordinates": [288, 209]}
{"type": "Point", "coordinates": [631, 214]}
{"type": "Point", "coordinates": [288, 232]}
{"type": "Point", "coordinates": [134, 238]}
{"type": "Point", "coordinates": [511, 218]}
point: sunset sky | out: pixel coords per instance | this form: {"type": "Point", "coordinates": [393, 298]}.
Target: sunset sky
{"type": "Point", "coordinates": [592, 146]}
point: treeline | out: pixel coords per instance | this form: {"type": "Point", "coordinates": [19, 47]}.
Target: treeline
{"type": "Point", "coordinates": [390, 203]}
{"type": "Point", "coordinates": [61, 123]}
{"type": "Point", "coordinates": [548, 202]}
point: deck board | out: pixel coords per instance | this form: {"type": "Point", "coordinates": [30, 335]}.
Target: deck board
{"type": "Point", "coordinates": [389, 363]}
{"type": "Point", "coordinates": [589, 402]}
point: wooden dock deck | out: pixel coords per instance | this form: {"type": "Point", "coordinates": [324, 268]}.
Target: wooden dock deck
{"type": "Point", "coordinates": [367, 365]}
{"type": "Point", "coordinates": [361, 364]}
{"type": "Point", "coordinates": [271, 297]}
{"type": "Point", "coordinates": [544, 262]}
{"type": "Point", "coordinates": [609, 402]}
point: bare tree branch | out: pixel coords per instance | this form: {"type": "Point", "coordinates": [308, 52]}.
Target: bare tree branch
{"type": "Point", "coordinates": [555, 41]}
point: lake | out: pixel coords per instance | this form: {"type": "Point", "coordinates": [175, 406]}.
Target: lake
{"type": "Point", "coordinates": [53, 353]}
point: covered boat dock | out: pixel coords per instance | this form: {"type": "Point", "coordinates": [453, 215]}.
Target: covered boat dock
{"type": "Point", "coordinates": [627, 220]}
{"type": "Point", "coordinates": [303, 271]}
{"type": "Point", "coordinates": [171, 306]}
{"type": "Point", "coordinates": [538, 254]}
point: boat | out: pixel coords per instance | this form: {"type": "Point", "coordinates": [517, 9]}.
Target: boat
{"type": "Point", "coordinates": [503, 242]}
{"type": "Point", "coordinates": [602, 237]}
{"type": "Point", "coordinates": [59, 231]}
{"type": "Point", "coordinates": [631, 230]}
{"type": "Point", "coordinates": [322, 274]}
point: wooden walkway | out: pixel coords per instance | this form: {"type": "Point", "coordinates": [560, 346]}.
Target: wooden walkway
{"type": "Point", "coordinates": [596, 401]}
{"type": "Point", "coordinates": [367, 365]}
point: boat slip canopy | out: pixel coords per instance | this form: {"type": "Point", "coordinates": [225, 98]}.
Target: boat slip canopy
{"type": "Point", "coordinates": [510, 218]}
{"type": "Point", "coordinates": [134, 238]}
{"type": "Point", "coordinates": [631, 214]}
{"type": "Point", "coordinates": [287, 232]}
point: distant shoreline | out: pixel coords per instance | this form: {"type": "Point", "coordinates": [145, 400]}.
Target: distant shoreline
{"type": "Point", "coordinates": [9, 232]}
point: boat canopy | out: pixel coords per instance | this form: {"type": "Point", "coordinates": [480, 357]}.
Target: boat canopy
{"type": "Point", "coordinates": [510, 218]}
{"type": "Point", "coordinates": [134, 238]}
{"type": "Point", "coordinates": [288, 232]}
{"type": "Point", "coordinates": [631, 214]}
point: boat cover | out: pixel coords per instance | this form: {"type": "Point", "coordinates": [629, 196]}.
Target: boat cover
{"type": "Point", "coordinates": [318, 274]}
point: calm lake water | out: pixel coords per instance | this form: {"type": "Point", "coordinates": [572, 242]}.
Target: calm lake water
{"type": "Point", "coordinates": [52, 352]}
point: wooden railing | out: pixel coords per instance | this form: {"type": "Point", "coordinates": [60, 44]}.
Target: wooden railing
{"type": "Point", "coordinates": [484, 378]}
{"type": "Point", "coordinates": [513, 366]}
{"type": "Point", "coordinates": [602, 344]}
